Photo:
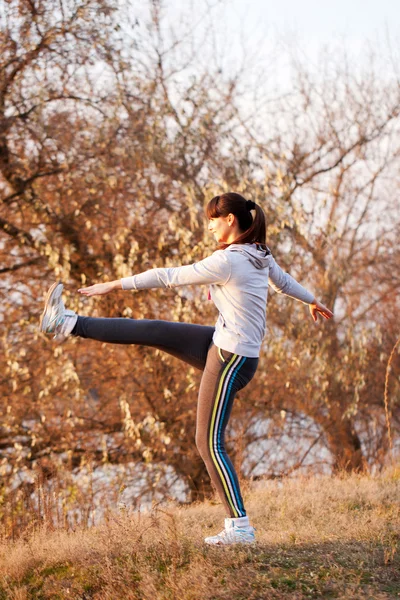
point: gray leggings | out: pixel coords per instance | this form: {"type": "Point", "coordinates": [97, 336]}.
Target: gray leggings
{"type": "Point", "coordinates": [224, 374]}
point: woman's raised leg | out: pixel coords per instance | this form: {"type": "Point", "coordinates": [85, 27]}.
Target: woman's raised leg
{"type": "Point", "coordinates": [186, 341]}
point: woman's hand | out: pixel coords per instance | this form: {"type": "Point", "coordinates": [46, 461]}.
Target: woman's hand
{"type": "Point", "coordinates": [100, 289]}
{"type": "Point", "coordinates": [318, 308]}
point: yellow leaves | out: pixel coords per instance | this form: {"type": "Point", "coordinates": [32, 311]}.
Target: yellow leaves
{"type": "Point", "coordinates": [104, 448]}
{"type": "Point", "coordinates": [13, 366]}
{"type": "Point", "coordinates": [68, 372]}
{"type": "Point", "coordinates": [149, 421]}
{"type": "Point", "coordinates": [132, 253]}
{"type": "Point", "coordinates": [161, 241]}
{"type": "Point", "coordinates": [57, 351]}
{"type": "Point", "coordinates": [131, 430]}
{"type": "Point", "coordinates": [172, 222]}
{"type": "Point", "coordinates": [19, 448]}
{"type": "Point", "coordinates": [147, 455]}
{"type": "Point", "coordinates": [149, 426]}
{"type": "Point", "coordinates": [120, 266]}
{"type": "Point", "coordinates": [167, 393]}
{"type": "Point", "coordinates": [58, 261]}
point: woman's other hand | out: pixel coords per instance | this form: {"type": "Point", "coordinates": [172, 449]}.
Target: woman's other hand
{"type": "Point", "coordinates": [318, 308]}
{"type": "Point", "coordinates": [100, 289]}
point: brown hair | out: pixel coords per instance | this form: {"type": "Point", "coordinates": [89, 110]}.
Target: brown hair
{"type": "Point", "coordinates": [253, 231]}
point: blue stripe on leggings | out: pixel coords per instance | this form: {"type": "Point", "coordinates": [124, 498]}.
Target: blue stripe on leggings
{"type": "Point", "coordinates": [226, 399]}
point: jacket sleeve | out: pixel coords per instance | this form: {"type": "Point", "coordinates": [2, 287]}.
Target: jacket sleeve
{"type": "Point", "coordinates": [283, 283]}
{"type": "Point", "coordinates": [213, 269]}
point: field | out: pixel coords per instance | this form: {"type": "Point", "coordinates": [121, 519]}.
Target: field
{"type": "Point", "coordinates": [317, 538]}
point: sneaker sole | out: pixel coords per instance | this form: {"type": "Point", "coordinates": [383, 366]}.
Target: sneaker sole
{"type": "Point", "coordinates": [52, 294]}
{"type": "Point", "coordinates": [237, 543]}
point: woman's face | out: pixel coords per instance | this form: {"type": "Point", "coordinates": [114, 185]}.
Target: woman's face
{"type": "Point", "coordinates": [221, 228]}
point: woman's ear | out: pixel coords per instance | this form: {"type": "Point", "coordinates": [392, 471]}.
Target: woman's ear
{"type": "Point", "coordinates": [231, 219]}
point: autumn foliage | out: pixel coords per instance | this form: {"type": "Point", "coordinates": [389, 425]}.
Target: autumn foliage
{"type": "Point", "coordinates": [113, 135]}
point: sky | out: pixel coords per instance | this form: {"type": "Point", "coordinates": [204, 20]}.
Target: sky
{"type": "Point", "coordinates": [321, 21]}
{"type": "Point", "coordinates": [355, 25]}
{"type": "Point", "coordinates": [270, 29]}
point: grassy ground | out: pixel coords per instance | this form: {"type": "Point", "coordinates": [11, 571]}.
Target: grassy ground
{"type": "Point", "coordinates": [317, 538]}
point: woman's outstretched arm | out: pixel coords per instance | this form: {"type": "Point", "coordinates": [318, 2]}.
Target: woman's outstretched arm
{"type": "Point", "coordinates": [100, 289]}
{"type": "Point", "coordinates": [317, 308]}
{"type": "Point", "coordinates": [283, 283]}
{"type": "Point", "coordinates": [213, 269]}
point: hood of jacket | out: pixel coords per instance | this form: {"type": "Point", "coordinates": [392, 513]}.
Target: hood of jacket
{"type": "Point", "coordinates": [258, 255]}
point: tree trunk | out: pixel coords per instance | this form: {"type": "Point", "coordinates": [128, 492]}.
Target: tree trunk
{"type": "Point", "coordinates": [344, 445]}
{"type": "Point", "coordinates": [195, 475]}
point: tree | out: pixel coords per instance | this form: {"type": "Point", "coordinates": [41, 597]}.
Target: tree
{"type": "Point", "coordinates": [339, 221]}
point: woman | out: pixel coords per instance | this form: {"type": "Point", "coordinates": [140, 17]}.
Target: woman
{"type": "Point", "coordinates": [238, 275]}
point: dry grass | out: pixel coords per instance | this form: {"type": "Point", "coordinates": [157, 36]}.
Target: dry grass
{"type": "Point", "coordinates": [317, 538]}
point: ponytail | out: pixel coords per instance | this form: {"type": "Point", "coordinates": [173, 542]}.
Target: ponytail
{"type": "Point", "coordinates": [250, 216]}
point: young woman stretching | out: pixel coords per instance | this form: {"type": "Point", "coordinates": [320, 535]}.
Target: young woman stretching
{"type": "Point", "coordinates": [238, 275]}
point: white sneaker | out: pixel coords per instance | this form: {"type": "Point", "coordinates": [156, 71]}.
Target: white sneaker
{"type": "Point", "coordinates": [237, 531]}
{"type": "Point", "coordinates": [54, 318]}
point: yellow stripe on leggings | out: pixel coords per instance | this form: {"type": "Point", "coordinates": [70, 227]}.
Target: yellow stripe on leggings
{"type": "Point", "coordinates": [216, 403]}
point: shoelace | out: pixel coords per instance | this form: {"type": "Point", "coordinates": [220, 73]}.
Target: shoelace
{"type": "Point", "coordinates": [55, 320]}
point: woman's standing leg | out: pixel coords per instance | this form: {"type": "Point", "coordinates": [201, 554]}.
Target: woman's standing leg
{"type": "Point", "coordinates": [224, 375]}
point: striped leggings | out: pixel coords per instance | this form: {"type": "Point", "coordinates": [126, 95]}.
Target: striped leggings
{"type": "Point", "coordinates": [224, 374]}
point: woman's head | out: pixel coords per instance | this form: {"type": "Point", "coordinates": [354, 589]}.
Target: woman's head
{"type": "Point", "coordinates": [245, 217]}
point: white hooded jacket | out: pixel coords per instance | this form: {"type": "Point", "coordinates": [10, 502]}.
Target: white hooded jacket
{"type": "Point", "coordinates": [238, 278]}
